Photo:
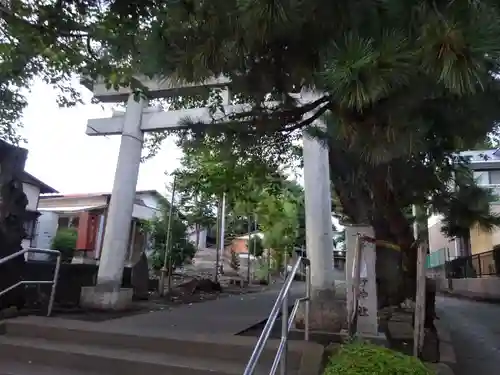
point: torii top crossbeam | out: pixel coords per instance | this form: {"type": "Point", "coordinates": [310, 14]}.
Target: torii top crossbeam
{"type": "Point", "coordinates": [158, 88]}
{"type": "Point", "coordinates": [156, 119]}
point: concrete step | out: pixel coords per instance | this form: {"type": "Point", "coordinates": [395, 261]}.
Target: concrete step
{"type": "Point", "coordinates": [231, 348]}
{"type": "Point", "coordinates": [29, 368]}
{"type": "Point", "coordinates": [106, 361]}
{"type": "Point", "coordinates": [59, 346]}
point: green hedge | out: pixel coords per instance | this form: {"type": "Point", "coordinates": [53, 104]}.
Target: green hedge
{"type": "Point", "coordinates": [361, 358]}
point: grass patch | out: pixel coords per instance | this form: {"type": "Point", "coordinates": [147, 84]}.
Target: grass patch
{"type": "Point", "coordinates": [361, 358]}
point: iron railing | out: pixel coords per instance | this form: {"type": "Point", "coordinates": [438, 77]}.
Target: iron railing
{"type": "Point", "coordinates": [52, 282]}
{"type": "Point", "coordinates": [477, 265]}
{"type": "Point", "coordinates": [287, 320]}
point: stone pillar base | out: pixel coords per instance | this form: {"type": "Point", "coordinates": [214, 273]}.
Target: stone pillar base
{"type": "Point", "coordinates": [78, 259]}
{"type": "Point", "coordinates": [327, 312]}
{"type": "Point", "coordinates": [92, 297]}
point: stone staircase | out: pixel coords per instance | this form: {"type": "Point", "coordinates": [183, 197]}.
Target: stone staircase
{"type": "Point", "coordinates": [204, 264]}
{"type": "Point", "coordinates": [45, 346]}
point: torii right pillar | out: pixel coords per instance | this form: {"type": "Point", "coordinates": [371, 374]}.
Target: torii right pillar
{"type": "Point", "coordinates": [326, 311]}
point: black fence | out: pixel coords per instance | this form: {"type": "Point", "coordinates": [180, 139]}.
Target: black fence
{"type": "Point", "coordinates": [478, 265]}
{"type": "Point", "coordinates": [72, 277]}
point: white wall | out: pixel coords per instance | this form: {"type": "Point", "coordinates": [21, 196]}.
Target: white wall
{"type": "Point", "coordinates": [203, 237]}
{"type": "Point", "coordinates": [26, 243]}
{"type": "Point", "coordinates": [143, 213]}
{"type": "Point", "coordinates": [32, 193]}
{"type": "Point", "coordinates": [481, 287]}
{"type": "Point", "coordinates": [150, 200]}
{"type": "Point", "coordinates": [152, 203]}
{"type": "Point", "coordinates": [46, 229]}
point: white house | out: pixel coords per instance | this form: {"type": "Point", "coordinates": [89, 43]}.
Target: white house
{"type": "Point", "coordinates": [33, 187]}
{"type": "Point", "coordinates": [87, 214]}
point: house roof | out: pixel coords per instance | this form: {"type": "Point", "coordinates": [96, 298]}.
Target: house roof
{"type": "Point", "coordinates": [88, 195]}
{"type": "Point", "coordinates": [32, 180]}
{"type": "Point", "coordinates": [71, 209]}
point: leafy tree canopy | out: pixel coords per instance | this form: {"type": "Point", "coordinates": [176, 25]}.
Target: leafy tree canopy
{"type": "Point", "coordinates": [382, 66]}
{"type": "Point", "coordinates": [401, 85]}
{"type": "Point", "coordinates": [410, 82]}
{"type": "Point", "coordinates": [252, 177]}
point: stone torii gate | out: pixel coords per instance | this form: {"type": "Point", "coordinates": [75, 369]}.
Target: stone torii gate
{"type": "Point", "coordinates": [139, 119]}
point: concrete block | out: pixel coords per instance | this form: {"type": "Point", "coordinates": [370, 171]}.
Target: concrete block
{"type": "Point", "coordinates": [378, 339]}
{"type": "Point", "coordinates": [80, 259]}
{"type": "Point", "coordinates": [95, 298]}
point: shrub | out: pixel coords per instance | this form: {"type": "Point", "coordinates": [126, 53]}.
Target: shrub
{"type": "Point", "coordinates": [262, 271]}
{"type": "Point", "coordinates": [180, 253]}
{"type": "Point", "coordinates": [361, 358]}
{"type": "Point", "coordinates": [65, 242]}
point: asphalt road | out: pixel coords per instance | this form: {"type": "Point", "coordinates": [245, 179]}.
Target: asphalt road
{"type": "Point", "coordinates": [475, 331]}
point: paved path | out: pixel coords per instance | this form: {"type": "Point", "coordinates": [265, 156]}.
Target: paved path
{"type": "Point", "coordinates": [475, 332]}
{"type": "Point", "coordinates": [229, 315]}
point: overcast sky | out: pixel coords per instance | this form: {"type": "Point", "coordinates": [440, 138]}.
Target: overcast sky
{"type": "Point", "coordinates": [62, 156]}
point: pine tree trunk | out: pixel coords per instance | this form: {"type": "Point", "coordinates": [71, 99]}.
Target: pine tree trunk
{"type": "Point", "coordinates": [13, 204]}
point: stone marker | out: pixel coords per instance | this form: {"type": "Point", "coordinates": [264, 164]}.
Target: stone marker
{"type": "Point", "coordinates": [140, 277]}
{"type": "Point", "coordinates": [368, 305]}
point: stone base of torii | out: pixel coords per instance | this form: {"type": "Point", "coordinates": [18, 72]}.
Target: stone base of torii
{"type": "Point", "coordinates": [138, 119]}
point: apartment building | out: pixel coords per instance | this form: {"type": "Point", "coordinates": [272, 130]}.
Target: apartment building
{"type": "Point", "coordinates": [485, 165]}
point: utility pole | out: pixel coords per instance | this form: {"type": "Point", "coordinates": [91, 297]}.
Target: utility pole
{"type": "Point", "coordinates": [221, 227]}
{"type": "Point", "coordinates": [217, 239]}
{"type": "Point", "coordinates": [254, 247]}
{"type": "Point", "coordinates": [166, 258]}
{"type": "Point", "coordinates": [222, 233]}
{"type": "Point", "coordinates": [249, 243]}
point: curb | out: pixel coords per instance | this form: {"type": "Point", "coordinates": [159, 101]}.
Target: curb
{"type": "Point", "coordinates": [447, 357]}
{"type": "Point", "coordinates": [458, 295]}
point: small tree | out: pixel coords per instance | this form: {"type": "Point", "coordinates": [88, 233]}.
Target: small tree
{"type": "Point", "coordinates": [235, 261]}
{"type": "Point", "coordinates": [65, 242]}
{"type": "Point", "coordinates": [180, 248]}
{"type": "Point", "coordinates": [262, 272]}
{"type": "Point", "coordinates": [255, 246]}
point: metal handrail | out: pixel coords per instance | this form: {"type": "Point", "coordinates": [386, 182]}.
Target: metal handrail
{"type": "Point", "coordinates": [287, 322]}
{"type": "Point", "coordinates": [53, 282]}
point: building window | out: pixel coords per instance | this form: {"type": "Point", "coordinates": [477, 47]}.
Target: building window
{"type": "Point", "coordinates": [68, 222]}
{"type": "Point", "coordinates": [481, 177]}
{"type": "Point", "coordinates": [495, 177]}
{"type": "Point", "coordinates": [63, 222]}
{"type": "Point", "coordinates": [29, 228]}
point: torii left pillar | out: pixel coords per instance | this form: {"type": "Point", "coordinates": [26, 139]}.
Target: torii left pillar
{"type": "Point", "coordinates": [108, 293]}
